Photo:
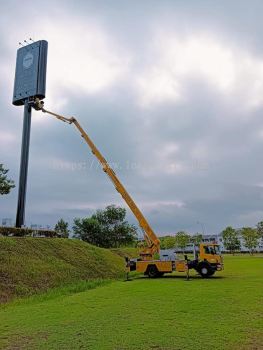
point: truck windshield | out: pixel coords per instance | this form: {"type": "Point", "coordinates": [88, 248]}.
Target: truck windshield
{"type": "Point", "coordinates": [217, 249]}
{"type": "Point", "coordinates": [212, 249]}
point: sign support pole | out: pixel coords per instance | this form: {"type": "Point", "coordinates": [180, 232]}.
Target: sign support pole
{"type": "Point", "coordinates": [20, 215]}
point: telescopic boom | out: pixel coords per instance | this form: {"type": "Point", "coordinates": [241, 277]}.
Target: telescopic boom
{"type": "Point", "coordinates": [153, 243]}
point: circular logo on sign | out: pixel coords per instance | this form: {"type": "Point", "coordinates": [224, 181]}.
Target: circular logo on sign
{"type": "Point", "coordinates": [28, 60]}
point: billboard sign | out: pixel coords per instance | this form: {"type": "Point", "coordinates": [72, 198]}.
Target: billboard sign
{"type": "Point", "coordinates": [30, 77]}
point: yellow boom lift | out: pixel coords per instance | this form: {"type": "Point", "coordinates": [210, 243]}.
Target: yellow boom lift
{"type": "Point", "coordinates": [149, 262]}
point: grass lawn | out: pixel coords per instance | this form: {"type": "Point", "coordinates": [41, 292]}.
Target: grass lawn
{"type": "Point", "coordinates": [224, 312]}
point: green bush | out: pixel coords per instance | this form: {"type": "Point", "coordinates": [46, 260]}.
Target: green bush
{"type": "Point", "coordinates": [25, 231]}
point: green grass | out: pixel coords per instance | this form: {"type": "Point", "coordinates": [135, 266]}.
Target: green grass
{"type": "Point", "coordinates": [224, 312]}
{"type": "Point", "coordinates": [31, 265]}
{"type": "Point", "coordinates": [126, 251]}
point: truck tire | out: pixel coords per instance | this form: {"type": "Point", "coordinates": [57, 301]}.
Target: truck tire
{"type": "Point", "coordinates": [152, 271]}
{"type": "Point", "coordinates": [205, 270]}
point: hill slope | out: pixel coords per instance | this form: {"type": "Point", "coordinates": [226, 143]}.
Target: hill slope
{"type": "Point", "coordinates": [126, 251]}
{"type": "Point", "coordinates": [29, 265]}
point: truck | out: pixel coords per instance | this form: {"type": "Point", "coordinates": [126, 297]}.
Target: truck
{"type": "Point", "coordinates": [150, 261]}
{"type": "Point", "coordinates": [207, 260]}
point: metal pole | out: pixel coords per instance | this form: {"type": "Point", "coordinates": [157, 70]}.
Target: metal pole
{"type": "Point", "coordinates": [20, 215]}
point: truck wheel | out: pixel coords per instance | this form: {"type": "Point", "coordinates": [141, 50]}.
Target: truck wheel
{"type": "Point", "coordinates": [204, 270]}
{"type": "Point", "coordinates": [152, 271]}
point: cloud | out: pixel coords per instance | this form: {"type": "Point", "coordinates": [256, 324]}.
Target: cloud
{"type": "Point", "coordinates": [171, 93]}
{"type": "Point", "coordinates": [7, 138]}
{"type": "Point", "coordinates": [85, 59]}
{"type": "Point", "coordinates": [234, 72]}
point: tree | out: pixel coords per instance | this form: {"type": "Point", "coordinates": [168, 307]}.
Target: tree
{"type": "Point", "coordinates": [162, 241]}
{"type": "Point", "coordinates": [196, 239]}
{"type": "Point", "coordinates": [168, 242]}
{"type": "Point", "coordinates": [181, 240]}
{"type": "Point", "coordinates": [231, 239]}
{"type": "Point", "coordinates": [250, 236]}
{"type": "Point", "coordinates": [89, 230]}
{"type": "Point", "coordinates": [260, 229]}
{"type": "Point", "coordinates": [61, 227]}
{"type": "Point", "coordinates": [5, 184]}
{"type": "Point", "coordinates": [106, 228]}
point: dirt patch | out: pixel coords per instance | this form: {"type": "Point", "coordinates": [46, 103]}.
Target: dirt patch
{"type": "Point", "coordinates": [254, 343]}
{"type": "Point", "coordinates": [23, 342]}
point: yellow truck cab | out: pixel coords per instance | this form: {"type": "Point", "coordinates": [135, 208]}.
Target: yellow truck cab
{"type": "Point", "coordinates": [209, 260]}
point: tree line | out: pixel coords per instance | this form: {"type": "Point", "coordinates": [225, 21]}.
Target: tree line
{"type": "Point", "coordinates": [180, 240]}
{"type": "Point", "coordinates": [108, 228]}
{"type": "Point", "coordinates": [249, 235]}
{"type": "Point", "coordinates": [231, 237]}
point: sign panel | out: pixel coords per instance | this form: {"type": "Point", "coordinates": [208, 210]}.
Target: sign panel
{"type": "Point", "coordinates": [30, 78]}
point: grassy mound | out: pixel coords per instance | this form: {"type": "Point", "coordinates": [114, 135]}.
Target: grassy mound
{"type": "Point", "coordinates": [126, 251]}
{"type": "Point", "coordinates": [31, 265]}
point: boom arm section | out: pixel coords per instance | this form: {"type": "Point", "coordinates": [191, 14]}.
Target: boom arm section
{"type": "Point", "coordinates": [153, 243]}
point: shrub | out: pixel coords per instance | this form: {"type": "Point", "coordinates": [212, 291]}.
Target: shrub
{"type": "Point", "coordinates": [25, 231]}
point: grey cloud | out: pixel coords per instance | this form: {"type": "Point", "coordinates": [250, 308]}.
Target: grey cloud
{"type": "Point", "coordinates": [218, 189]}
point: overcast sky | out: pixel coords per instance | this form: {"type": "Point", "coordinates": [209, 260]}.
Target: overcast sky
{"type": "Point", "coordinates": [171, 92]}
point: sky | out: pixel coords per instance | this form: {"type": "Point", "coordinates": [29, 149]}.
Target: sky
{"type": "Point", "coordinates": [171, 92]}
